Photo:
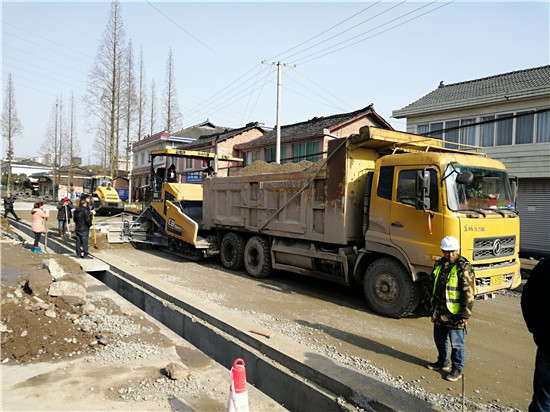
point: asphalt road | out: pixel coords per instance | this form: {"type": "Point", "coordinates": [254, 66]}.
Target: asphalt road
{"type": "Point", "coordinates": [321, 318]}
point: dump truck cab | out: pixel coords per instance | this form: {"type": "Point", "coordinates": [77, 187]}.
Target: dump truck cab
{"type": "Point", "coordinates": [422, 197]}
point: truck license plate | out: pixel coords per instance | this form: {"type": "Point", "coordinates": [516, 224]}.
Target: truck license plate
{"type": "Point", "coordinates": [496, 280]}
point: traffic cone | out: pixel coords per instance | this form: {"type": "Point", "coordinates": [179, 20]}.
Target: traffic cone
{"type": "Point", "coordinates": [238, 396]}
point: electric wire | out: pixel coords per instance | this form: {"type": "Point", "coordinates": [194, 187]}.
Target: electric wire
{"type": "Point", "coordinates": [310, 57]}
{"type": "Point", "coordinates": [325, 31]}
{"type": "Point", "coordinates": [181, 28]}
{"type": "Point", "coordinates": [347, 30]}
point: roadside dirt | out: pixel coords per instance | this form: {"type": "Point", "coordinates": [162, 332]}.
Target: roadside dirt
{"type": "Point", "coordinates": [93, 353]}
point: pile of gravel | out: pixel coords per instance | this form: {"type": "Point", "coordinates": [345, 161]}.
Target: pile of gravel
{"type": "Point", "coordinates": [261, 167]}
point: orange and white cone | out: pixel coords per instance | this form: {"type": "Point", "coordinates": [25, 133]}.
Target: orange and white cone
{"type": "Point", "coordinates": [238, 396]}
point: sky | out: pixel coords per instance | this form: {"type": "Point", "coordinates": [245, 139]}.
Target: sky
{"type": "Point", "coordinates": [338, 56]}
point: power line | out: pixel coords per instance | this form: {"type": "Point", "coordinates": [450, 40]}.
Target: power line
{"type": "Point", "coordinates": [325, 31]}
{"type": "Point", "coordinates": [347, 30]}
{"type": "Point", "coordinates": [182, 29]}
{"type": "Point", "coordinates": [374, 35]}
{"type": "Point", "coordinates": [320, 87]}
{"type": "Point", "coordinates": [44, 38]}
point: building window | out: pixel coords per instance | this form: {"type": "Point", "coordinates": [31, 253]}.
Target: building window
{"type": "Point", "coordinates": [189, 164]}
{"type": "Point", "coordinates": [487, 132]}
{"type": "Point", "coordinates": [305, 151]}
{"type": "Point", "coordinates": [495, 130]}
{"type": "Point", "coordinates": [270, 154]}
{"type": "Point", "coordinates": [468, 134]}
{"type": "Point", "coordinates": [452, 135]}
{"type": "Point", "coordinates": [543, 127]}
{"type": "Point", "coordinates": [255, 155]}
{"type": "Point", "coordinates": [525, 127]}
{"type": "Point", "coordinates": [435, 130]}
{"type": "Point", "coordinates": [423, 129]}
{"type": "Point", "coordinates": [504, 129]}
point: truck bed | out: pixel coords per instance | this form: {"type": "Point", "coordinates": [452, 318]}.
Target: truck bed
{"type": "Point", "coordinates": [326, 206]}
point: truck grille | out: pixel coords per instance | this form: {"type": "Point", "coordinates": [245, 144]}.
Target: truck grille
{"type": "Point", "coordinates": [494, 247]}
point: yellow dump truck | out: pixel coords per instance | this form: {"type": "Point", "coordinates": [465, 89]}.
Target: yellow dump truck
{"type": "Point", "coordinates": [373, 213]}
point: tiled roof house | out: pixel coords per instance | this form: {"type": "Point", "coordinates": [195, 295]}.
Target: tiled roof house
{"type": "Point", "coordinates": [225, 140]}
{"type": "Point", "coordinates": [308, 140]}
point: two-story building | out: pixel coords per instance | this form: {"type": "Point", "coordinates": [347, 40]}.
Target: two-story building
{"type": "Point", "coordinates": [141, 167]}
{"type": "Point", "coordinates": [509, 116]}
{"type": "Point", "coordinates": [223, 144]}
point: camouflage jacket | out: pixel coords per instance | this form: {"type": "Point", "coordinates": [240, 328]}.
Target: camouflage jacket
{"type": "Point", "coordinates": [466, 279]}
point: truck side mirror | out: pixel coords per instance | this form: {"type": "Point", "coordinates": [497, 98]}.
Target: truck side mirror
{"type": "Point", "coordinates": [423, 190]}
{"type": "Point", "coordinates": [514, 187]}
{"type": "Point", "coordinates": [465, 178]}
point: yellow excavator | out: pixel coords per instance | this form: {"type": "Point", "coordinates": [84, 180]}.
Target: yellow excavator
{"type": "Point", "coordinates": [105, 199]}
{"type": "Point", "coordinates": [174, 215]}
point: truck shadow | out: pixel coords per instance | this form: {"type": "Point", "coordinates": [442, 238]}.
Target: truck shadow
{"type": "Point", "coordinates": [363, 342]}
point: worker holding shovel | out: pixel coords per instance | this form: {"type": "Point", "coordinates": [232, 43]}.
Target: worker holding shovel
{"type": "Point", "coordinates": [83, 222]}
{"type": "Point", "coordinates": [64, 214]}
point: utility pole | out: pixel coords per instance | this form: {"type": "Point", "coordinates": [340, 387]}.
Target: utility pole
{"type": "Point", "coordinates": [278, 126]}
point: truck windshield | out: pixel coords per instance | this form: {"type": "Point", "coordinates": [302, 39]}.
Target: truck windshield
{"type": "Point", "coordinates": [489, 189]}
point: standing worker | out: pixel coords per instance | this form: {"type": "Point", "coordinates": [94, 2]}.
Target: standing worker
{"type": "Point", "coordinates": [534, 304]}
{"type": "Point", "coordinates": [452, 299]}
{"type": "Point", "coordinates": [82, 221]}
{"type": "Point", "coordinates": [8, 206]}
{"type": "Point", "coordinates": [64, 214]}
{"type": "Point", "coordinates": [39, 216]}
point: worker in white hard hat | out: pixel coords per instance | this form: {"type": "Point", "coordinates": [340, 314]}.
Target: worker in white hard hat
{"type": "Point", "coordinates": [451, 302]}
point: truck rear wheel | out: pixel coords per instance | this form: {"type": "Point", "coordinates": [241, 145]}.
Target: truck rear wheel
{"type": "Point", "coordinates": [232, 251]}
{"type": "Point", "coordinates": [389, 289]}
{"type": "Point", "coordinates": [257, 257]}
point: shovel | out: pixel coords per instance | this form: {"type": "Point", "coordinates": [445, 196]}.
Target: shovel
{"type": "Point", "coordinates": [46, 241]}
{"type": "Point", "coordinates": [95, 242]}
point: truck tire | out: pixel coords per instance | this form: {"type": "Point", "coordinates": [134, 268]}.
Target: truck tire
{"type": "Point", "coordinates": [389, 289]}
{"type": "Point", "coordinates": [232, 251]}
{"type": "Point", "coordinates": [257, 257]}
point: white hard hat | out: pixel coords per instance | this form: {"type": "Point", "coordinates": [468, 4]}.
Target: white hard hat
{"type": "Point", "coordinates": [449, 243]}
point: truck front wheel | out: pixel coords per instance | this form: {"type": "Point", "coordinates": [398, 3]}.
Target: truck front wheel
{"type": "Point", "coordinates": [257, 257]}
{"type": "Point", "coordinates": [232, 251]}
{"type": "Point", "coordinates": [389, 289]}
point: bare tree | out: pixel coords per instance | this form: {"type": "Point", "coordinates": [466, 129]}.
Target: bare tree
{"type": "Point", "coordinates": [141, 99]}
{"type": "Point", "coordinates": [171, 111]}
{"type": "Point", "coordinates": [11, 126]}
{"type": "Point", "coordinates": [52, 145]}
{"type": "Point", "coordinates": [130, 102]}
{"type": "Point", "coordinates": [153, 108]}
{"type": "Point", "coordinates": [102, 96]}
{"type": "Point", "coordinates": [73, 146]}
